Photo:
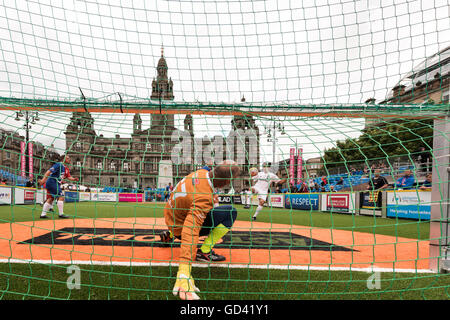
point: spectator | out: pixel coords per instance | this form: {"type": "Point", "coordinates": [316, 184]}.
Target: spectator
{"type": "Point", "coordinates": [3, 182]}
{"type": "Point", "coordinates": [324, 181]}
{"type": "Point", "coordinates": [316, 187]}
{"type": "Point", "coordinates": [407, 181]}
{"type": "Point", "coordinates": [30, 183]}
{"type": "Point", "coordinates": [167, 192]}
{"type": "Point", "coordinates": [311, 184]}
{"type": "Point", "coordinates": [278, 189]}
{"type": "Point", "coordinates": [340, 182]}
{"type": "Point", "coordinates": [303, 188]}
{"type": "Point", "coordinates": [427, 184]}
{"type": "Point", "coordinates": [87, 189]}
{"type": "Point", "coordinates": [424, 157]}
{"type": "Point", "coordinates": [292, 188]}
{"type": "Point", "coordinates": [332, 189]}
{"type": "Point", "coordinates": [377, 182]}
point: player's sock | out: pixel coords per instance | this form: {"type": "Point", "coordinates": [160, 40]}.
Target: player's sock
{"type": "Point", "coordinates": [258, 209]}
{"type": "Point", "coordinates": [60, 205]}
{"type": "Point", "coordinates": [45, 209]}
{"type": "Point", "coordinates": [216, 234]}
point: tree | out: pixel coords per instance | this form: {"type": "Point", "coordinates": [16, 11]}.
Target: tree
{"type": "Point", "coordinates": [383, 141]}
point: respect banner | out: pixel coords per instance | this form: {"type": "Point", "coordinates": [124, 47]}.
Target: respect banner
{"type": "Point", "coordinates": [302, 201]}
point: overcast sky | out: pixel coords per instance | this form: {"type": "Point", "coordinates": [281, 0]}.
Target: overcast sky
{"type": "Point", "coordinates": [271, 52]}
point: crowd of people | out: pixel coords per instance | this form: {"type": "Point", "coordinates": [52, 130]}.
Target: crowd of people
{"type": "Point", "coordinates": [376, 180]}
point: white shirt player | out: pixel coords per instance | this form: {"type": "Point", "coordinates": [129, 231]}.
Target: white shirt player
{"type": "Point", "coordinates": [263, 181]}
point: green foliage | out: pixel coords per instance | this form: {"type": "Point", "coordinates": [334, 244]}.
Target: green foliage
{"type": "Point", "coordinates": [382, 142]}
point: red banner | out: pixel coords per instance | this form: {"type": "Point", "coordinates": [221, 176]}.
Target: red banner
{"type": "Point", "coordinates": [299, 165]}
{"type": "Point", "coordinates": [291, 166]}
{"type": "Point", "coordinates": [22, 158]}
{"type": "Point", "coordinates": [30, 159]}
{"type": "Point", "coordinates": [131, 197]}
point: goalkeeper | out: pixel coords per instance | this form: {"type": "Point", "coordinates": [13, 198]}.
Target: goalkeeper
{"type": "Point", "coordinates": [190, 213]}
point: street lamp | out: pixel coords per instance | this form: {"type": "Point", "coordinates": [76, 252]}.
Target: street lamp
{"type": "Point", "coordinates": [30, 117]}
{"type": "Point", "coordinates": [272, 129]}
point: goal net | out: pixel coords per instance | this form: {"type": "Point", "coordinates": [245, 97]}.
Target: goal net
{"type": "Point", "coordinates": [340, 109]}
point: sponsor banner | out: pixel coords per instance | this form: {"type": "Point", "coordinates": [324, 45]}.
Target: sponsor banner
{"type": "Point", "coordinates": [291, 166]}
{"type": "Point", "coordinates": [229, 199]}
{"type": "Point", "coordinates": [5, 195]}
{"type": "Point", "coordinates": [22, 158]}
{"type": "Point", "coordinates": [104, 196]}
{"type": "Point", "coordinates": [237, 200]}
{"type": "Point", "coordinates": [24, 196]}
{"type": "Point", "coordinates": [29, 196]}
{"type": "Point", "coordinates": [276, 200]}
{"type": "Point", "coordinates": [409, 204]}
{"type": "Point", "coordinates": [40, 196]}
{"type": "Point", "coordinates": [338, 202]}
{"type": "Point", "coordinates": [19, 196]}
{"type": "Point", "coordinates": [71, 196]}
{"type": "Point", "coordinates": [30, 159]}
{"type": "Point", "coordinates": [299, 165]}
{"type": "Point", "coordinates": [371, 199]}
{"type": "Point", "coordinates": [225, 199]}
{"type": "Point", "coordinates": [370, 203]}
{"type": "Point", "coordinates": [131, 197]}
{"type": "Point", "coordinates": [302, 201]}
{"type": "Point", "coordinates": [84, 196]}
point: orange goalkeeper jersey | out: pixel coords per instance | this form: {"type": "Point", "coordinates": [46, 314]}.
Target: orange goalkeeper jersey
{"type": "Point", "coordinates": [186, 209]}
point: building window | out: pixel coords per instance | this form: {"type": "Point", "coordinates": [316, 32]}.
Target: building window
{"type": "Point", "coordinates": [99, 165]}
{"type": "Point", "coordinates": [112, 166]}
{"type": "Point", "coordinates": [78, 164]}
{"type": "Point", "coordinates": [111, 181]}
{"type": "Point", "coordinates": [148, 146]}
{"type": "Point", "coordinates": [8, 155]}
{"type": "Point", "coordinates": [78, 145]}
{"type": "Point", "coordinates": [125, 166]}
{"type": "Point", "coordinates": [446, 97]}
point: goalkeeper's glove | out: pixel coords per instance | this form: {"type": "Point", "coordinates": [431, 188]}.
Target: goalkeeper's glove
{"type": "Point", "coordinates": [184, 286]}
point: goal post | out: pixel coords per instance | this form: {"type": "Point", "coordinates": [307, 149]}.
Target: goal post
{"type": "Point", "coordinates": [440, 213]}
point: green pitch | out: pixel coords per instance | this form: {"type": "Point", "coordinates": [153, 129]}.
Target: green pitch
{"type": "Point", "coordinates": [412, 229]}
{"type": "Point", "coordinates": [39, 281]}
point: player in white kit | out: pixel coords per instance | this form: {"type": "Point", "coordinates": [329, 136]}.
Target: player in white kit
{"type": "Point", "coordinates": [262, 180]}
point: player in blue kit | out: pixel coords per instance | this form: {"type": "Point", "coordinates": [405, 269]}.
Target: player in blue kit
{"type": "Point", "coordinates": [52, 180]}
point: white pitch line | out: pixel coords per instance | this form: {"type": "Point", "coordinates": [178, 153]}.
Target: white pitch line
{"type": "Point", "coordinates": [217, 265]}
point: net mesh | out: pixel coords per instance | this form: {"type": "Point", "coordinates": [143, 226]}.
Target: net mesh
{"type": "Point", "coordinates": [345, 102]}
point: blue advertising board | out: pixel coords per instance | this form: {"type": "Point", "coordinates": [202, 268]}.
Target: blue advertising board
{"type": "Point", "coordinates": [302, 201]}
{"type": "Point", "coordinates": [409, 204]}
{"type": "Point", "coordinates": [71, 196]}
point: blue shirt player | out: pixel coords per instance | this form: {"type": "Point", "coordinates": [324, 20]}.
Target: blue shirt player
{"type": "Point", "coordinates": [52, 181]}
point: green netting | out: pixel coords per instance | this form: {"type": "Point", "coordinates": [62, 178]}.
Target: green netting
{"type": "Point", "coordinates": [345, 102]}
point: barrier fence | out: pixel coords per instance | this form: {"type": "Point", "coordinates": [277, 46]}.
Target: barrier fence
{"type": "Point", "coordinates": [409, 204]}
